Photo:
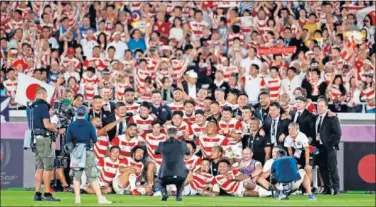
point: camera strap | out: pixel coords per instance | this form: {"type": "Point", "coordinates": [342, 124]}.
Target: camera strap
{"type": "Point", "coordinates": [33, 141]}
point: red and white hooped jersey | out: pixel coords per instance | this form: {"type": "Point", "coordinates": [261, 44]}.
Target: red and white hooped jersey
{"type": "Point", "coordinates": [101, 147]}
{"type": "Point", "coordinates": [198, 130]}
{"type": "Point", "coordinates": [189, 119]}
{"type": "Point", "coordinates": [13, 25]}
{"type": "Point", "coordinates": [152, 143]}
{"type": "Point", "coordinates": [335, 93]}
{"type": "Point", "coordinates": [129, 162]}
{"type": "Point", "coordinates": [193, 163]}
{"type": "Point", "coordinates": [176, 107]}
{"type": "Point", "coordinates": [11, 87]}
{"type": "Point", "coordinates": [232, 36]}
{"type": "Point", "coordinates": [133, 108]}
{"type": "Point", "coordinates": [233, 126]}
{"type": "Point", "coordinates": [229, 186]}
{"type": "Point", "coordinates": [197, 28]}
{"type": "Point", "coordinates": [142, 123]}
{"type": "Point", "coordinates": [141, 75]}
{"type": "Point", "coordinates": [201, 180]}
{"type": "Point", "coordinates": [199, 105]}
{"type": "Point", "coordinates": [228, 70]}
{"type": "Point", "coordinates": [206, 143]}
{"type": "Point", "coordinates": [66, 61]}
{"type": "Point", "coordinates": [119, 90]}
{"type": "Point", "coordinates": [368, 94]}
{"type": "Point", "coordinates": [261, 25]}
{"type": "Point", "coordinates": [125, 145]}
{"type": "Point", "coordinates": [274, 86]}
{"type": "Point", "coordinates": [177, 66]}
{"type": "Point", "coordinates": [100, 63]}
{"type": "Point", "coordinates": [107, 170]}
{"type": "Point", "coordinates": [89, 86]}
{"type": "Point", "coordinates": [184, 127]}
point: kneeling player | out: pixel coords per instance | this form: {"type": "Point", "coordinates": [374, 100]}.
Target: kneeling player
{"type": "Point", "coordinates": [130, 169]}
{"type": "Point", "coordinates": [235, 183]}
{"type": "Point", "coordinates": [200, 182]}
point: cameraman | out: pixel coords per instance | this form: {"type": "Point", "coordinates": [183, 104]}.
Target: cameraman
{"type": "Point", "coordinates": [44, 153]}
{"type": "Point", "coordinates": [59, 164]}
{"type": "Point", "coordinates": [81, 133]}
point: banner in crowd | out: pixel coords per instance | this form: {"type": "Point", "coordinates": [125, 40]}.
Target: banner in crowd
{"type": "Point", "coordinates": [227, 4]}
{"type": "Point", "coordinates": [360, 159]}
{"type": "Point", "coordinates": [276, 50]}
{"type": "Point", "coordinates": [27, 87]}
{"type": "Point", "coordinates": [12, 161]}
{"type": "Point", "coordinates": [360, 14]}
{"type": "Point", "coordinates": [246, 21]}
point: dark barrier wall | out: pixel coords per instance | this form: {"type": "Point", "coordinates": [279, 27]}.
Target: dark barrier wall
{"type": "Point", "coordinates": [12, 162]}
{"type": "Point", "coordinates": [359, 165]}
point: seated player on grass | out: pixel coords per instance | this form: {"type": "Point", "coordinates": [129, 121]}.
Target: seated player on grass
{"type": "Point", "coordinates": [199, 182]}
{"type": "Point", "coordinates": [264, 178]}
{"type": "Point", "coordinates": [130, 172]}
{"type": "Point", "coordinates": [108, 168]}
{"type": "Point", "coordinates": [235, 183]}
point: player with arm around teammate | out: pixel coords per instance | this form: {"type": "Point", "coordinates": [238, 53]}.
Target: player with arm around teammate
{"type": "Point", "coordinates": [235, 183]}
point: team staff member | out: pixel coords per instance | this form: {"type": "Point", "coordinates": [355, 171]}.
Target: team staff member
{"type": "Point", "coordinates": [44, 152]}
{"type": "Point", "coordinates": [79, 132]}
{"type": "Point", "coordinates": [328, 135]}
{"type": "Point", "coordinates": [260, 145]}
{"type": "Point", "coordinates": [173, 169]}
{"type": "Point", "coordinates": [297, 145]}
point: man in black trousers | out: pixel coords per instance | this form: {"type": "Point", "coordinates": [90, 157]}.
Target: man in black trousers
{"type": "Point", "coordinates": [328, 135]}
{"type": "Point", "coordinates": [173, 170]}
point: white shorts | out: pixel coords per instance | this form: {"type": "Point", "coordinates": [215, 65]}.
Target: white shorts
{"type": "Point", "coordinates": [262, 191]}
{"type": "Point", "coordinates": [116, 187]}
{"type": "Point", "coordinates": [298, 183]}
{"type": "Point", "coordinates": [188, 191]}
{"type": "Point", "coordinates": [241, 189]}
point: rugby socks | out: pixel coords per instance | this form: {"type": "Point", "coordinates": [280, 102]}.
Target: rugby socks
{"type": "Point", "coordinates": [262, 192]}
{"type": "Point", "coordinates": [315, 177]}
{"type": "Point", "coordinates": [132, 181]}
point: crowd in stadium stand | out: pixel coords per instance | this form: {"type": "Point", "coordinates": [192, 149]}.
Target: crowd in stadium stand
{"type": "Point", "coordinates": [191, 64]}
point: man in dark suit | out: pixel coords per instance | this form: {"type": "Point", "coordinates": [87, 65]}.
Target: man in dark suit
{"type": "Point", "coordinates": [303, 117]}
{"type": "Point", "coordinates": [173, 169]}
{"type": "Point", "coordinates": [120, 111]}
{"type": "Point", "coordinates": [219, 82]}
{"type": "Point", "coordinates": [108, 105]}
{"type": "Point", "coordinates": [328, 135]}
{"type": "Point", "coordinates": [274, 126]}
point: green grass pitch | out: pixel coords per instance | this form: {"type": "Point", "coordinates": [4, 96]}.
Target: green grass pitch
{"type": "Point", "coordinates": [24, 198]}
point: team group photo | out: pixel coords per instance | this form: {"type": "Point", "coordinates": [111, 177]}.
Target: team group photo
{"type": "Point", "coordinates": [191, 103]}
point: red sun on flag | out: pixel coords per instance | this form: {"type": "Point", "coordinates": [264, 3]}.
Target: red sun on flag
{"type": "Point", "coordinates": [31, 91]}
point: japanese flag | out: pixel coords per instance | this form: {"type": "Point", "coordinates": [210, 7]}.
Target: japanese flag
{"type": "Point", "coordinates": [27, 87]}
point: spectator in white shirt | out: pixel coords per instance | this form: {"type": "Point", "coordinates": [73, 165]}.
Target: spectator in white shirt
{"type": "Point", "coordinates": [252, 83]}
{"type": "Point", "coordinates": [291, 82]}
{"type": "Point", "coordinates": [119, 46]}
{"type": "Point", "coordinates": [88, 44]}
{"type": "Point", "coordinates": [246, 63]}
